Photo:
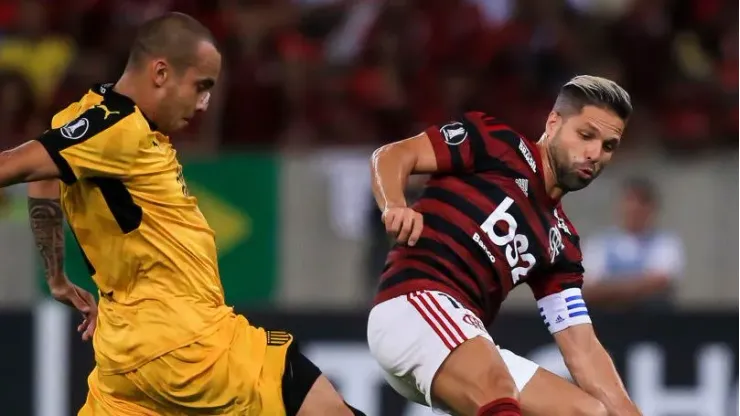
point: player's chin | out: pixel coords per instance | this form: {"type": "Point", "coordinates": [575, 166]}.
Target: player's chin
{"type": "Point", "coordinates": [181, 124]}
{"type": "Point", "coordinates": [576, 182]}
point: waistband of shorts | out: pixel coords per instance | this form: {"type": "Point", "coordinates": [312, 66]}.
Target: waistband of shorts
{"type": "Point", "coordinates": [426, 285]}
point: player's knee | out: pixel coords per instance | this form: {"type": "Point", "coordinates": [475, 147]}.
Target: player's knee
{"type": "Point", "coordinates": [598, 409]}
{"type": "Point", "coordinates": [589, 407]}
{"type": "Point", "coordinates": [495, 383]}
{"type": "Point", "coordinates": [504, 386]}
{"type": "Point", "coordinates": [491, 388]}
{"type": "Point", "coordinates": [328, 405]}
{"type": "Point", "coordinates": [471, 378]}
{"type": "Point", "coordinates": [339, 409]}
{"type": "Point", "coordinates": [323, 399]}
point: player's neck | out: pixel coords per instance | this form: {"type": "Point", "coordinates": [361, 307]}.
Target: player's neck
{"type": "Point", "coordinates": [548, 172]}
{"type": "Point", "coordinates": [128, 85]}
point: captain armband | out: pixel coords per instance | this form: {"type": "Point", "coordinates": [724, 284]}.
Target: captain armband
{"type": "Point", "coordinates": [564, 309]}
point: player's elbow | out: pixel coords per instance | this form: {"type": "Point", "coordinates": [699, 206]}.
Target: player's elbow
{"type": "Point", "coordinates": [11, 170]}
{"type": "Point", "coordinates": [413, 155]}
{"type": "Point", "coordinates": [47, 189]}
{"type": "Point", "coordinates": [28, 162]}
{"type": "Point", "coordinates": [393, 155]}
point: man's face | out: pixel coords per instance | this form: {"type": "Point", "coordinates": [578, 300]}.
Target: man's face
{"type": "Point", "coordinates": [637, 213]}
{"type": "Point", "coordinates": [187, 92]}
{"type": "Point", "coordinates": [581, 145]}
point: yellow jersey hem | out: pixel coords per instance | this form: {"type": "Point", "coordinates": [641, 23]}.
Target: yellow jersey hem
{"type": "Point", "coordinates": [212, 328]}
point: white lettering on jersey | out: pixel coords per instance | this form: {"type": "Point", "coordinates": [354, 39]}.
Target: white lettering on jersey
{"type": "Point", "coordinates": [482, 245]}
{"type": "Point", "coordinates": [527, 155]}
{"type": "Point", "coordinates": [523, 184]}
{"type": "Point", "coordinates": [104, 87]}
{"type": "Point", "coordinates": [516, 244]}
{"type": "Point", "coordinates": [454, 133]}
{"type": "Point", "coordinates": [561, 224]}
{"type": "Point", "coordinates": [556, 243]}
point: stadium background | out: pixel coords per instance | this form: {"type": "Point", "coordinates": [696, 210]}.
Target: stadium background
{"type": "Point", "coordinates": [280, 166]}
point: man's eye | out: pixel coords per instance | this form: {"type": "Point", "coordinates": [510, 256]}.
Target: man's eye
{"type": "Point", "coordinates": [611, 146]}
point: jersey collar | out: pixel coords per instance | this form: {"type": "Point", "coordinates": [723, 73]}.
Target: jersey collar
{"type": "Point", "coordinates": [106, 90]}
{"type": "Point", "coordinates": [541, 172]}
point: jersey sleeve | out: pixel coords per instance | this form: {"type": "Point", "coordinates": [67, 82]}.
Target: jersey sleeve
{"type": "Point", "coordinates": [452, 147]}
{"type": "Point", "coordinates": [558, 293]}
{"type": "Point", "coordinates": [98, 143]}
{"type": "Point", "coordinates": [568, 275]}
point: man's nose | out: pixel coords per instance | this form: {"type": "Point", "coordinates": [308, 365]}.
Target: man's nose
{"type": "Point", "coordinates": [202, 104]}
{"type": "Point", "coordinates": [593, 150]}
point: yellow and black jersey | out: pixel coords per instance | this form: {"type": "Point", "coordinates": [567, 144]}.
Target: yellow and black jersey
{"type": "Point", "coordinates": [147, 245]}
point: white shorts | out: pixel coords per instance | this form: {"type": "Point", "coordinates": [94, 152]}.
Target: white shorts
{"type": "Point", "coordinates": [411, 336]}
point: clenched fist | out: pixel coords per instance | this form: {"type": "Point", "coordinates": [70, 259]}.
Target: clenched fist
{"type": "Point", "coordinates": [404, 224]}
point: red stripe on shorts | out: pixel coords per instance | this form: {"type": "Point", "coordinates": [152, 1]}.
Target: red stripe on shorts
{"type": "Point", "coordinates": [444, 313]}
{"type": "Point", "coordinates": [419, 308]}
{"type": "Point", "coordinates": [438, 320]}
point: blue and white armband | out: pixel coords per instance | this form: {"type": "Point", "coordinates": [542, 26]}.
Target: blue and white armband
{"type": "Point", "coordinates": [564, 309]}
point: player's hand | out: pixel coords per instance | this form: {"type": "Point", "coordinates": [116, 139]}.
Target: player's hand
{"type": "Point", "coordinates": [404, 224]}
{"type": "Point", "coordinates": [72, 295]}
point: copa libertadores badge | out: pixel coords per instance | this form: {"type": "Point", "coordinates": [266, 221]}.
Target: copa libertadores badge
{"type": "Point", "coordinates": [75, 129]}
{"type": "Point", "coordinates": [454, 133]}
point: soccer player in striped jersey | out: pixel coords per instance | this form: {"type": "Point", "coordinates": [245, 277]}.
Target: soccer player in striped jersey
{"type": "Point", "coordinates": [489, 220]}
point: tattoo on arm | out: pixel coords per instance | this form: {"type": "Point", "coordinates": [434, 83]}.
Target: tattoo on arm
{"type": "Point", "coordinates": [47, 218]}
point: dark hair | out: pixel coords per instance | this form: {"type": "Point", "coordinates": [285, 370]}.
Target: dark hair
{"type": "Point", "coordinates": [586, 90]}
{"type": "Point", "coordinates": [173, 36]}
{"type": "Point", "coordinates": [643, 188]}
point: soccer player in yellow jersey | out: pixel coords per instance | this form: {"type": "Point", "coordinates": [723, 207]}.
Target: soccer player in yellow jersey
{"type": "Point", "coordinates": [165, 341]}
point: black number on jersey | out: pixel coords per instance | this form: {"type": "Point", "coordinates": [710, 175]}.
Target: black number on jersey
{"type": "Point", "coordinates": [181, 181]}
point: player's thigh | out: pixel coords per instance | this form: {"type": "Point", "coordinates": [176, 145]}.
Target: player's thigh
{"type": "Point", "coordinates": [323, 399]}
{"type": "Point", "coordinates": [547, 394]}
{"type": "Point", "coordinates": [473, 375]}
{"type": "Point", "coordinates": [305, 391]}
{"type": "Point", "coordinates": [436, 352]}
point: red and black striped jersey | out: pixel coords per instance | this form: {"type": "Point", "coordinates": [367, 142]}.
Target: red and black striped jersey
{"type": "Point", "coordinates": [489, 224]}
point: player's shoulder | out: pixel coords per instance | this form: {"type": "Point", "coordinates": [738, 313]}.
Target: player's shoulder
{"type": "Point", "coordinates": [489, 126]}
{"type": "Point", "coordinates": [487, 122]}
{"type": "Point", "coordinates": [100, 110]}
{"type": "Point", "coordinates": [496, 137]}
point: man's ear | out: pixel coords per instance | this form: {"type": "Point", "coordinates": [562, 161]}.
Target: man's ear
{"type": "Point", "coordinates": [554, 120]}
{"type": "Point", "coordinates": [160, 70]}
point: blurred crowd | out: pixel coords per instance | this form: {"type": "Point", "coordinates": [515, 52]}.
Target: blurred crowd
{"type": "Point", "coordinates": [341, 72]}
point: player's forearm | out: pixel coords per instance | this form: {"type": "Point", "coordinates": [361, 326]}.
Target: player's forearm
{"type": "Point", "coordinates": [47, 219]}
{"type": "Point", "coordinates": [594, 371]}
{"type": "Point", "coordinates": [10, 174]}
{"type": "Point", "coordinates": [26, 163]}
{"type": "Point", "coordinates": [390, 171]}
